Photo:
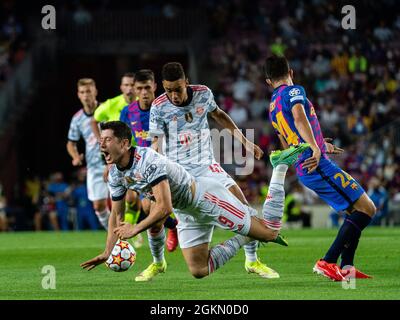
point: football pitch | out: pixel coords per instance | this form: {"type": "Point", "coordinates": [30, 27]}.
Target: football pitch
{"type": "Point", "coordinates": [23, 256]}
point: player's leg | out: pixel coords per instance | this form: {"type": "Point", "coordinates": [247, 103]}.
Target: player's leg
{"type": "Point", "coordinates": [170, 223]}
{"type": "Point", "coordinates": [252, 263]}
{"type": "Point", "coordinates": [341, 192]}
{"type": "Point", "coordinates": [102, 212]}
{"type": "Point", "coordinates": [274, 203]}
{"type": "Point", "coordinates": [132, 212]}
{"type": "Point", "coordinates": [217, 204]}
{"type": "Point", "coordinates": [359, 218]}
{"type": "Point", "coordinates": [132, 206]}
{"type": "Point", "coordinates": [98, 194]}
{"type": "Point", "coordinates": [156, 238]}
{"type": "Point", "coordinates": [172, 237]}
{"type": "Point", "coordinates": [202, 261]}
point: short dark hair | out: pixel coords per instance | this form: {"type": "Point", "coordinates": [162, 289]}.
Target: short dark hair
{"type": "Point", "coordinates": [172, 71]}
{"type": "Point", "coordinates": [276, 67]}
{"type": "Point", "coordinates": [128, 75]}
{"type": "Point", "coordinates": [119, 128]}
{"type": "Point", "coordinates": [144, 75]}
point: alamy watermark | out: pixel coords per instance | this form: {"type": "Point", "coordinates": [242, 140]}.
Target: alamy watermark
{"type": "Point", "coordinates": [350, 277]}
{"type": "Point", "coordinates": [49, 280]}
{"type": "Point", "coordinates": [199, 148]}
{"type": "Point", "coordinates": [49, 18]}
{"type": "Point", "coordinates": [349, 20]}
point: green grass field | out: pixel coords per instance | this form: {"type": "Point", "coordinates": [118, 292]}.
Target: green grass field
{"type": "Point", "coordinates": [22, 256]}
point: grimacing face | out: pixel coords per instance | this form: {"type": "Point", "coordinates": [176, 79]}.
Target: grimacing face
{"type": "Point", "coordinates": [145, 90]}
{"type": "Point", "coordinates": [176, 90]}
{"type": "Point", "coordinates": [87, 94]}
{"type": "Point", "coordinates": [111, 147]}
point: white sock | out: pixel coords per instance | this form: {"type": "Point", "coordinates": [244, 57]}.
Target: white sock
{"type": "Point", "coordinates": [103, 217]}
{"type": "Point", "coordinates": [279, 174]}
{"type": "Point", "coordinates": [222, 253]}
{"type": "Point", "coordinates": [156, 244]}
{"type": "Point", "coordinates": [250, 250]}
{"type": "Point", "coordinates": [275, 201]}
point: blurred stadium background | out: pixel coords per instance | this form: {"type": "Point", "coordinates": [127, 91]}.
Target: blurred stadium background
{"type": "Point", "coordinates": [352, 76]}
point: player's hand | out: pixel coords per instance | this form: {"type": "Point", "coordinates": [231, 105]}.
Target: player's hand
{"type": "Point", "coordinates": [105, 172]}
{"type": "Point", "coordinates": [92, 263]}
{"type": "Point", "coordinates": [312, 163]}
{"type": "Point", "coordinates": [77, 161]}
{"type": "Point", "coordinates": [125, 231]}
{"type": "Point", "coordinates": [254, 149]}
{"type": "Point", "coordinates": [331, 148]}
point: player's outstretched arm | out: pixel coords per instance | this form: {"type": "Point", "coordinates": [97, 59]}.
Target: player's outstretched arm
{"type": "Point", "coordinates": [304, 128]}
{"type": "Point", "coordinates": [95, 128]}
{"type": "Point", "coordinates": [72, 150]}
{"type": "Point", "coordinates": [159, 211]}
{"type": "Point", "coordinates": [225, 121]}
{"type": "Point", "coordinates": [117, 213]}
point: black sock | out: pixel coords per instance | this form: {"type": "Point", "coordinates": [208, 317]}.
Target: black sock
{"type": "Point", "coordinates": [142, 216]}
{"type": "Point", "coordinates": [361, 221]}
{"type": "Point", "coordinates": [348, 234]}
{"type": "Point", "coordinates": [170, 223]}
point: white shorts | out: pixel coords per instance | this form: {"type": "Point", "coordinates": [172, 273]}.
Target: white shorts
{"type": "Point", "coordinates": [96, 187]}
{"type": "Point", "coordinates": [214, 205]}
{"type": "Point", "coordinates": [214, 171]}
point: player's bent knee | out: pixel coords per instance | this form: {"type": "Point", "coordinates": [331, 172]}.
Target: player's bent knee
{"type": "Point", "coordinates": [371, 210]}
{"type": "Point", "coordinates": [99, 206]}
{"type": "Point", "coordinates": [199, 273]}
{"type": "Point", "coordinates": [271, 234]}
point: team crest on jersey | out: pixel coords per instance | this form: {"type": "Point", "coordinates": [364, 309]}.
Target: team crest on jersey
{"type": "Point", "coordinates": [271, 106]}
{"type": "Point", "coordinates": [199, 110]}
{"type": "Point", "coordinates": [189, 117]}
{"type": "Point", "coordinates": [174, 118]}
{"type": "Point", "coordinates": [138, 176]}
{"type": "Point", "coordinates": [149, 171]}
{"type": "Point", "coordinates": [294, 92]}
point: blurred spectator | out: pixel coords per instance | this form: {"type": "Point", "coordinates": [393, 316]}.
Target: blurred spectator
{"type": "Point", "coordinates": [358, 63]}
{"type": "Point", "coordinates": [46, 213]}
{"type": "Point", "coordinates": [3, 213]}
{"type": "Point", "coordinates": [278, 47]}
{"type": "Point", "coordinates": [339, 62]}
{"type": "Point", "coordinates": [293, 210]}
{"type": "Point", "coordinates": [60, 190]}
{"type": "Point", "coordinates": [380, 198]}
{"type": "Point", "coordinates": [86, 217]}
{"type": "Point", "coordinates": [238, 113]}
{"type": "Point", "coordinates": [82, 16]}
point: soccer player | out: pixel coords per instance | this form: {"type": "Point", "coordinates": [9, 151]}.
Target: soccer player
{"type": "Point", "coordinates": [111, 110]}
{"type": "Point", "coordinates": [80, 127]}
{"type": "Point", "coordinates": [180, 115]}
{"type": "Point", "coordinates": [136, 116]}
{"type": "Point", "coordinates": [295, 121]}
{"type": "Point", "coordinates": [204, 199]}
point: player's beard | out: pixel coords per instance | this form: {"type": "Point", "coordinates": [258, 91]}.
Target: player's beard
{"type": "Point", "coordinates": [129, 97]}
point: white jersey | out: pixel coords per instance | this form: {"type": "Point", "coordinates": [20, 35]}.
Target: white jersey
{"type": "Point", "coordinates": [146, 168]}
{"type": "Point", "coordinates": [80, 127]}
{"type": "Point", "coordinates": [185, 128]}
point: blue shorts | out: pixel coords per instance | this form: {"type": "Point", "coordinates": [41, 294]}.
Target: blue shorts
{"type": "Point", "coordinates": [333, 185]}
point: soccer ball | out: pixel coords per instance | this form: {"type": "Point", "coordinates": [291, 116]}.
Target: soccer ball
{"type": "Point", "coordinates": [122, 257]}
